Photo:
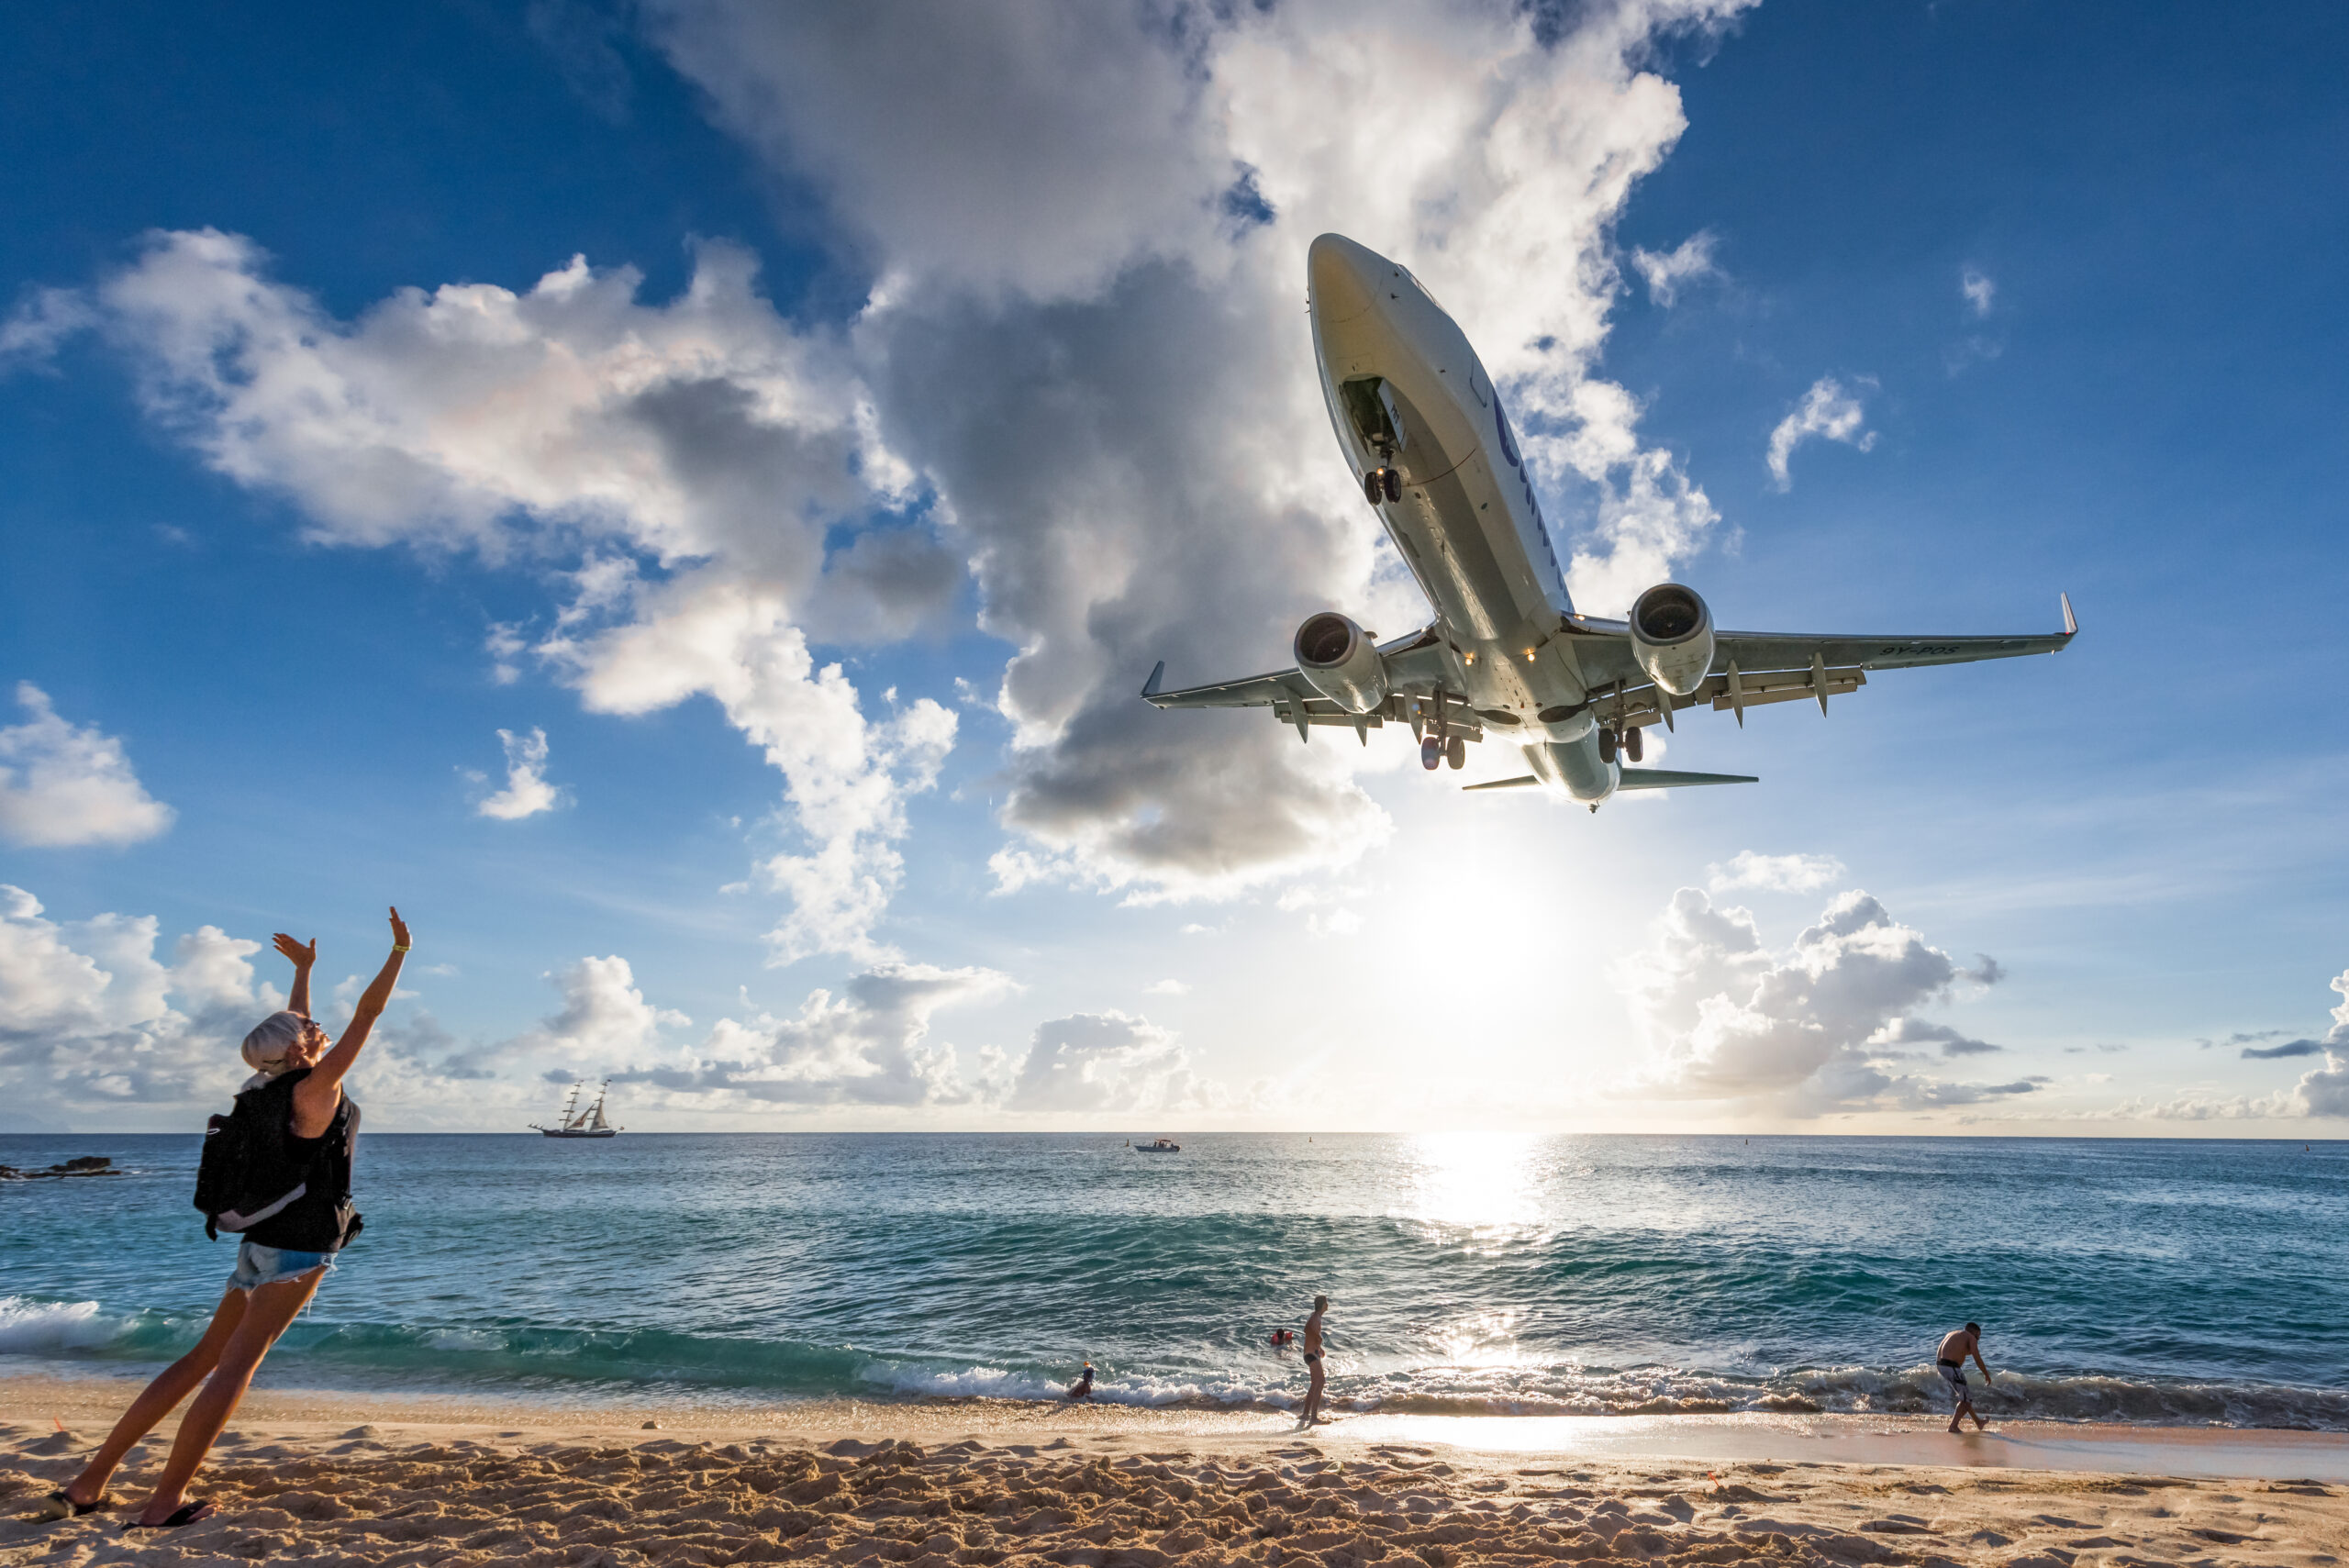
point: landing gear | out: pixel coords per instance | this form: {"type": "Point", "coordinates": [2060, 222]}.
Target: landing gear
{"type": "Point", "coordinates": [1431, 753]}
{"type": "Point", "coordinates": [1632, 743]}
{"type": "Point", "coordinates": [1455, 751]}
{"type": "Point", "coordinates": [1606, 745]}
{"type": "Point", "coordinates": [1382, 485]}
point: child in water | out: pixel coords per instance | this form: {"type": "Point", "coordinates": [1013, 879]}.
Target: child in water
{"type": "Point", "coordinates": [1083, 1387]}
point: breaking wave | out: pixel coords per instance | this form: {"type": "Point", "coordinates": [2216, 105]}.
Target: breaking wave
{"type": "Point", "coordinates": [523, 1357]}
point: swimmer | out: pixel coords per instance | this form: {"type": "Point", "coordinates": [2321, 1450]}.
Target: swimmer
{"type": "Point", "coordinates": [1083, 1387]}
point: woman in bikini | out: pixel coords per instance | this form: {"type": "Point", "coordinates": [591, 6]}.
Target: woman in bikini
{"type": "Point", "coordinates": [308, 1127]}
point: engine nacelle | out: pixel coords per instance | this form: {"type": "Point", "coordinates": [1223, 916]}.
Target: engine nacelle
{"type": "Point", "coordinates": [1337, 660]}
{"type": "Point", "coordinates": [1672, 636]}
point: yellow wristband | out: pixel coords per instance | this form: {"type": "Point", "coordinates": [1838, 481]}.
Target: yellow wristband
{"type": "Point", "coordinates": [400, 948]}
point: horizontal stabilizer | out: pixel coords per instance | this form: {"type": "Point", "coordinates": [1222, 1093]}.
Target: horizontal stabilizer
{"type": "Point", "coordinates": [1500, 783]}
{"type": "Point", "coordinates": [1666, 778]}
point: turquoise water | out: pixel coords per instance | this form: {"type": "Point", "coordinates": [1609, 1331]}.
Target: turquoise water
{"type": "Point", "coordinates": [2186, 1282]}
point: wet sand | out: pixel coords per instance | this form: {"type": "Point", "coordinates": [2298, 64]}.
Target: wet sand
{"type": "Point", "coordinates": [350, 1479]}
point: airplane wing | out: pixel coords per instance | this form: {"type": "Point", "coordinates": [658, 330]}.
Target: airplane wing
{"type": "Point", "coordinates": [1410, 665]}
{"type": "Point", "coordinates": [1630, 778]}
{"type": "Point", "coordinates": [1753, 667]}
{"type": "Point", "coordinates": [1777, 650]}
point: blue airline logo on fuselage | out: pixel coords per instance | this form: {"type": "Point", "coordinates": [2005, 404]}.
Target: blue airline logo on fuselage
{"type": "Point", "coordinates": [1532, 501]}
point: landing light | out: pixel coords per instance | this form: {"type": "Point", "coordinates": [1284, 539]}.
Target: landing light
{"type": "Point", "coordinates": [1529, 656]}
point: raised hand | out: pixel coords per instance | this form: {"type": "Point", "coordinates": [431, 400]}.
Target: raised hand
{"type": "Point", "coordinates": [302, 957]}
{"type": "Point", "coordinates": [400, 928]}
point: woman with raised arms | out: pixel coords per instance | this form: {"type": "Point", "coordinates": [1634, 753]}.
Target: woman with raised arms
{"type": "Point", "coordinates": [277, 1172]}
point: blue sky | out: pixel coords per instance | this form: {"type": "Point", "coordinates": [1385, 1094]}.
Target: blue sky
{"type": "Point", "coordinates": [322, 464]}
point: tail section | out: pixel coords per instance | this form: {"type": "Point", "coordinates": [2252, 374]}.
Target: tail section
{"type": "Point", "coordinates": [1665, 778]}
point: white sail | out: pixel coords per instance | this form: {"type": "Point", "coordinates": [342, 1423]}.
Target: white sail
{"type": "Point", "coordinates": [596, 1111]}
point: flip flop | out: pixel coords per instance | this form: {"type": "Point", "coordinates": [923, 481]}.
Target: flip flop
{"type": "Point", "coordinates": [185, 1514]}
{"type": "Point", "coordinates": [57, 1505]}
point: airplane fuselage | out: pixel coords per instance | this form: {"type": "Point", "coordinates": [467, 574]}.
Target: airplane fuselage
{"type": "Point", "coordinates": [1407, 391]}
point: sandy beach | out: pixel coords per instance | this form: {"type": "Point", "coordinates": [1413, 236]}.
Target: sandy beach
{"type": "Point", "coordinates": [350, 1479]}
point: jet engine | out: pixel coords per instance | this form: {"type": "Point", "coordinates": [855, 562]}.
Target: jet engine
{"type": "Point", "coordinates": [1337, 660]}
{"type": "Point", "coordinates": [1672, 636]}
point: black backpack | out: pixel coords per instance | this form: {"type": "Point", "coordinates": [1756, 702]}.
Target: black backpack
{"type": "Point", "coordinates": [244, 1177]}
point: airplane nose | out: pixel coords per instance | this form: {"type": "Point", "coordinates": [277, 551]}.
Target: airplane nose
{"type": "Point", "coordinates": [1343, 278]}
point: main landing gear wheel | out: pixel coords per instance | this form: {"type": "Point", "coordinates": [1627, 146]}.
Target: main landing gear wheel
{"type": "Point", "coordinates": [1632, 743]}
{"type": "Point", "coordinates": [1431, 753]}
{"type": "Point", "coordinates": [1455, 751]}
{"type": "Point", "coordinates": [1606, 745]}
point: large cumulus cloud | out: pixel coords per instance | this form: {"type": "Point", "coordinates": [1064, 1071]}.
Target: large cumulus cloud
{"type": "Point", "coordinates": [1087, 332]}
{"type": "Point", "coordinates": [1824, 1023]}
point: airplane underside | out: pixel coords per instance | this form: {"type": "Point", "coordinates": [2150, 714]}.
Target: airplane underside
{"type": "Point", "coordinates": [1507, 656]}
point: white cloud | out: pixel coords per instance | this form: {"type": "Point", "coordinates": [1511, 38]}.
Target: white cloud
{"type": "Point", "coordinates": [1108, 1062]}
{"type": "Point", "coordinates": [2324, 1091]}
{"type": "Point", "coordinates": [1826, 411]}
{"type": "Point", "coordinates": [1979, 290]}
{"type": "Point", "coordinates": [45, 318]}
{"type": "Point", "coordinates": [1775, 873]}
{"type": "Point", "coordinates": [88, 1019]}
{"type": "Point", "coordinates": [1820, 1025]}
{"type": "Point", "coordinates": [869, 1046]}
{"type": "Point", "coordinates": [1667, 273]}
{"type": "Point", "coordinates": [687, 461]}
{"type": "Point", "coordinates": [605, 1017]}
{"type": "Point", "coordinates": [1166, 988]}
{"type": "Point", "coordinates": [527, 791]}
{"type": "Point", "coordinates": [62, 787]}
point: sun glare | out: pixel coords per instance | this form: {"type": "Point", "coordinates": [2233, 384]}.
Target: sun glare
{"type": "Point", "coordinates": [1483, 1183]}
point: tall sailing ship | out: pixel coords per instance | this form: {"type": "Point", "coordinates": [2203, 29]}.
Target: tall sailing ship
{"type": "Point", "coordinates": [589, 1123]}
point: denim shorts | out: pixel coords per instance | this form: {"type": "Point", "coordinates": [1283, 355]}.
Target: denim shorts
{"type": "Point", "coordinates": [259, 1265]}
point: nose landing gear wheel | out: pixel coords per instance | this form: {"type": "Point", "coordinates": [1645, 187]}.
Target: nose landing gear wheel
{"type": "Point", "coordinates": [1431, 753]}
{"type": "Point", "coordinates": [1456, 752]}
{"type": "Point", "coordinates": [1606, 745]}
{"type": "Point", "coordinates": [1632, 743]}
{"type": "Point", "coordinates": [1374, 486]}
{"type": "Point", "coordinates": [1392, 482]}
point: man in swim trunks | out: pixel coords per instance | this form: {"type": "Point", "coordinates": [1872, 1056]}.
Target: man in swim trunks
{"type": "Point", "coordinates": [1311, 1414]}
{"type": "Point", "coordinates": [1950, 1362]}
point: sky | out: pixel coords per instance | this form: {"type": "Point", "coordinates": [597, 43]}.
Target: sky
{"type": "Point", "coordinates": [680, 497]}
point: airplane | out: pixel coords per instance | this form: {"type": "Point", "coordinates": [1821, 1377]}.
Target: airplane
{"type": "Point", "coordinates": [1508, 655]}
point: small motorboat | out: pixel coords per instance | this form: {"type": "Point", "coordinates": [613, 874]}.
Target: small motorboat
{"type": "Point", "coordinates": [1159, 1146]}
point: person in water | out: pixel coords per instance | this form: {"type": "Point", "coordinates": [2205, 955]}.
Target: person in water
{"type": "Point", "coordinates": [1950, 1362]}
{"type": "Point", "coordinates": [1311, 1415]}
{"type": "Point", "coordinates": [1283, 1338]}
{"type": "Point", "coordinates": [297, 1086]}
{"type": "Point", "coordinates": [1083, 1387]}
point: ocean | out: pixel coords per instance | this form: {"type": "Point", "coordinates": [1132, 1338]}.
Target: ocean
{"type": "Point", "coordinates": [2162, 1282]}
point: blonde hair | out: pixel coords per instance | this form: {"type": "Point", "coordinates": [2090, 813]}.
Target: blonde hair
{"type": "Point", "coordinates": [265, 1047]}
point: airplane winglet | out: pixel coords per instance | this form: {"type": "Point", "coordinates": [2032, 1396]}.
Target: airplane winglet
{"type": "Point", "coordinates": [2071, 621]}
{"type": "Point", "coordinates": [1149, 687]}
